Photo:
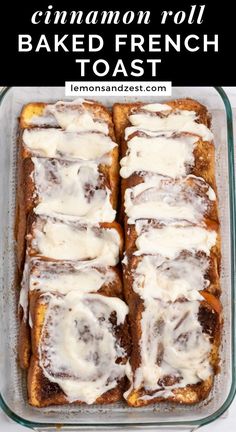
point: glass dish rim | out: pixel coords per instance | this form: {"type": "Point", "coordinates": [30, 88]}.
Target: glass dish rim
{"type": "Point", "coordinates": [208, 419]}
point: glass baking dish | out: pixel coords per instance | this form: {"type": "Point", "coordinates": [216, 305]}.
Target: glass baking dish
{"type": "Point", "coordinates": [114, 417]}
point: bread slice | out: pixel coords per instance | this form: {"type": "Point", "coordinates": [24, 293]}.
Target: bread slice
{"type": "Point", "coordinates": [148, 228]}
{"type": "Point", "coordinates": [35, 115]}
{"type": "Point", "coordinates": [210, 319]}
{"type": "Point", "coordinates": [57, 276]}
{"type": "Point", "coordinates": [44, 392]}
{"type": "Point", "coordinates": [170, 274]}
{"type": "Point", "coordinates": [121, 111]}
{"type": "Point", "coordinates": [60, 277]}
{"type": "Point", "coordinates": [38, 114]}
{"type": "Point", "coordinates": [188, 200]}
{"type": "Point", "coordinates": [203, 152]}
{"type": "Point", "coordinates": [73, 241]}
{"type": "Point", "coordinates": [46, 179]}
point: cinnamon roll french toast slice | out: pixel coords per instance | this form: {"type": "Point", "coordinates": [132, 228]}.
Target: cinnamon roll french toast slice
{"type": "Point", "coordinates": [80, 342]}
{"type": "Point", "coordinates": [171, 139]}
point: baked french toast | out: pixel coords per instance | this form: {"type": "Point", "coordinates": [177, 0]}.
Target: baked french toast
{"type": "Point", "coordinates": [87, 335]}
{"type": "Point", "coordinates": [171, 268]}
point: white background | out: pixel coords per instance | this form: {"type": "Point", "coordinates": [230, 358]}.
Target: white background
{"type": "Point", "coordinates": [228, 422]}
